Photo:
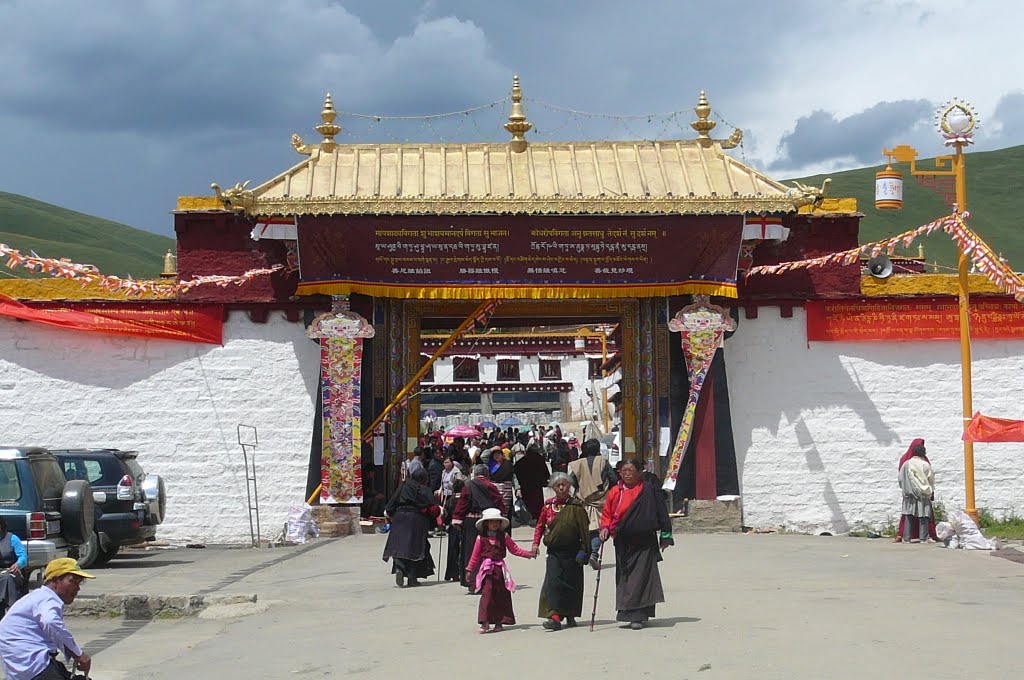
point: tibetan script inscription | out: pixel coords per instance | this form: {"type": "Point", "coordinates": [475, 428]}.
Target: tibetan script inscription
{"type": "Point", "coordinates": [519, 250]}
{"type": "Point", "coordinates": [903, 319]}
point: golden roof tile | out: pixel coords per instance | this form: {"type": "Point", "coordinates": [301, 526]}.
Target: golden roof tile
{"type": "Point", "coordinates": [692, 176]}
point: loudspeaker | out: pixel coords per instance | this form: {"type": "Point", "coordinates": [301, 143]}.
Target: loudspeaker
{"type": "Point", "coordinates": [880, 267]}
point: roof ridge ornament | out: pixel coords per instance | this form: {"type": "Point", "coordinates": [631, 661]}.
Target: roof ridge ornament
{"type": "Point", "coordinates": [704, 126]}
{"type": "Point", "coordinates": [328, 128]}
{"type": "Point", "coordinates": [517, 123]}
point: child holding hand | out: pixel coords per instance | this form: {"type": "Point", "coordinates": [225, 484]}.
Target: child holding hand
{"type": "Point", "coordinates": [493, 580]}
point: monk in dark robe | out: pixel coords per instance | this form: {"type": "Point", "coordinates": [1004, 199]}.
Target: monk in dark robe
{"type": "Point", "coordinates": [532, 473]}
{"type": "Point", "coordinates": [413, 509]}
{"type": "Point", "coordinates": [478, 495]}
{"type": "Point", "coordinates": [636, 516]}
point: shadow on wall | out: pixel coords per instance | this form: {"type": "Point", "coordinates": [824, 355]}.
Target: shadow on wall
{"type": "Point", "coordinates": [93, 359]}
{"type": "Point", "coordinates": [791, 379]}
{"type": "Point", "coordinates": [307, 353]}
{"type": "Point", "coordinates": [841, 390]}
{"type": "Point", "coordinates": [115, 361]}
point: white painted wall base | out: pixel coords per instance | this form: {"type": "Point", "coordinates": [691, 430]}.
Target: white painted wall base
{"type": "Point", "coordinates": [819, 429]}
{"type": "Point", "coordinates": [178, 404]}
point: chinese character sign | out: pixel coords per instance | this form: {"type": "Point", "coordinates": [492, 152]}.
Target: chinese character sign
{"type": "Point", "coordinates": [702, 326]}
{"type": "Point", "coordinates": [341, 336]}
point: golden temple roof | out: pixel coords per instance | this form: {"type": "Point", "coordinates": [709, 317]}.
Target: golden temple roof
{"type": "Point", "coordinates": [691, 176]}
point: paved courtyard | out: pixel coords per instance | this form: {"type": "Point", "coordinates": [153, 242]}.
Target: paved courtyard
{"type": "Point", "coordinates": [739, 606]}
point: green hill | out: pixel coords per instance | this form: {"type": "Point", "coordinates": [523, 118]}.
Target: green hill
{"type": "Point", "coordinates": [995, 192]}
{"type": "Point", "coordinates": [52, 231]}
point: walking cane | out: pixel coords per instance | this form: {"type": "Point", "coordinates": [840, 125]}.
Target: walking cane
{"type": "Point", "coordinates": [440, 557]}
{"type": "Point", "coordinates": [597, 587]}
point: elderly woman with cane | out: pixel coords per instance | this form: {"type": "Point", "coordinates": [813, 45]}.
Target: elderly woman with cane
{"type": "Point", "coordinates": [635, 516]}
{"type": "Point", "coordinates": [564, 528]}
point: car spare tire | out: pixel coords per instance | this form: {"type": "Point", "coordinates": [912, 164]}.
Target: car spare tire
{"type": "Point", "coordinates": [155, 492]}
{"type": "Point", "coordinates": [77, 512]}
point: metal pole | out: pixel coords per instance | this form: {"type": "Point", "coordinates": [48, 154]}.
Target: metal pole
{"type": "Point", "coordinates": [604, 383]}
{"type": "Point", "coordinates": [248, 497]}
{"type": "Point", "coordinates": [965, 338]}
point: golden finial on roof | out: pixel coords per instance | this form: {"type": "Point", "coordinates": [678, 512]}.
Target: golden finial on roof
{"type": "Point", "coordinates": [517, 123]}
{"type": "Point", "coordinates": [327, 128]}
{"type": "Point", "coordinates": [170, 266]}
{"type": "Point", "coordinates": [702, 125]}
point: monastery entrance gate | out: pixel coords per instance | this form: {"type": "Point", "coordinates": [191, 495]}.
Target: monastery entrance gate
{"type": "Point", "coordinates": [626, 232]}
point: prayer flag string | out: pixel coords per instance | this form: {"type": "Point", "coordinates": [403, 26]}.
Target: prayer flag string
{"type": "Point", "coordinates": [973, 246]}
{"type": "Point", "coordinates": [88, 274]}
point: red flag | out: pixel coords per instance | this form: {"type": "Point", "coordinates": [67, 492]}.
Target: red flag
{"type": "Point", "coordinates": [985, 429]}
{"type": "Point", "coordinates": [188, 323]}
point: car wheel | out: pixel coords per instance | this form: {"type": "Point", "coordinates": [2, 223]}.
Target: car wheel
{"type": "Point", "coordinates": [78, 512]}
{"type": "Point", "coordinates": [105, 555]}
{"type": "Point", "coordinates": [89, 551]}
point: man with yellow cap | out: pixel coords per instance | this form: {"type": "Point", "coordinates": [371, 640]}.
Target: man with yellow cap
{"type": "Point", "coordinates": [33, 631]}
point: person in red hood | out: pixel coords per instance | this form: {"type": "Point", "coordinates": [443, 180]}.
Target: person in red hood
{"type": "Point", "coordinates": [914, 529]}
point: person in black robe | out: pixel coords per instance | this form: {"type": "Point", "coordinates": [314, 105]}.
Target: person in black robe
{"type": "Point", "coordinates": [412, 510]}
{"type": "Point", "coordinates": [635, 515]}
{"type": "Point", "coordinates": [502, 474]}
{"type": "Point", "coordinates": [453, 565]}
{"type": "Point", "coordinates": [532, 473]}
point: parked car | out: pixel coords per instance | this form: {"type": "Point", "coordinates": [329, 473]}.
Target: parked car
{"type": "Point", "coordinates": [50, 515]}
{"type": "Point", "coordinates": [129, 504]}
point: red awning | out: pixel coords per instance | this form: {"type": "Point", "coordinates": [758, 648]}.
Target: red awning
{"type": "Point", "coordinates": [985, 429]}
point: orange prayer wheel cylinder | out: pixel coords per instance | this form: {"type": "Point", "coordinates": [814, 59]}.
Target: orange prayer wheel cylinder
{"type": "Point", "coordinates": [888, 189]}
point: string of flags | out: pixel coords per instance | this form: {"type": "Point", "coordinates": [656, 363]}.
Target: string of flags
{"type": "Point", "coordinates": [973, 246]}
{"type": "Point", "coordinates": [88, 274]}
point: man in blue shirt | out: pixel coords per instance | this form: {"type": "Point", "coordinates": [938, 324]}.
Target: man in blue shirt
{"type": "Point", "coordinates": [13, 559]}
{"type": "Point", "coordinates": [33, 630]}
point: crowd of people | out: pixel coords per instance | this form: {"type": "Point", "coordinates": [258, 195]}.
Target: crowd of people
{"type": "Point", "coordinates": [471, 492]}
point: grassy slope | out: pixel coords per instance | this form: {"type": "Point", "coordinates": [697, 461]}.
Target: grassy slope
{"type": "Point", "coordinates": [995, 182]}
{"type": "Point", "coordinates": [52, 231]}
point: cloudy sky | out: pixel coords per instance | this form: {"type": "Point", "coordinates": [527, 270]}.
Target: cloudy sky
{"type": "Point", "coordinates": [117, 107]}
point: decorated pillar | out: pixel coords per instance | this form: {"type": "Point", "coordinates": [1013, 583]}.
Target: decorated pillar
{"type": "Point", "coordinates": [341, 334]}
{"type": "Point", "coordinates": [703, 327]}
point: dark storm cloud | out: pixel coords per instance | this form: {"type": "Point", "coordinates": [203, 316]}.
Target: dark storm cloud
{"type": "Point", "coordinates": [1006, 126]}
{"type": "Point", "coordinates": [166, 66]}
{"type": "Point", "coordinates": [821, 136]}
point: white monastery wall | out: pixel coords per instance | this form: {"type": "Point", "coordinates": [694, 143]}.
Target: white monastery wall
{"type": "Point", "coordinates": [820, 428]}
{"type": "Point", "coordinates": [178, 404]}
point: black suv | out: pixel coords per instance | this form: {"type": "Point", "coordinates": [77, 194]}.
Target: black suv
{"type": "Point", "coordinates": [48, 514]}
{"type": "Point", "coordinates": [129, 503]}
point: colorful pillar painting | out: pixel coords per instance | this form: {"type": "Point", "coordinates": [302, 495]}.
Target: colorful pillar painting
{"type": "Point", "coordinates": [703, 327]}
{"type": "Point", "coordinates": [341, 334]}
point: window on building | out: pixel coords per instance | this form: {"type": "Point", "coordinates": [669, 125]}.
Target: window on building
{"type": "Point", "coordinates": [467, 370]}
{"type": "Point", "coordinates": [550, 369]}
{"type": "Point", "coordinates": [429, 375]}
{"type": "Point", "coordinates": [594, 369]}
{"type": "Point", "coordinates": [508, 369]}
